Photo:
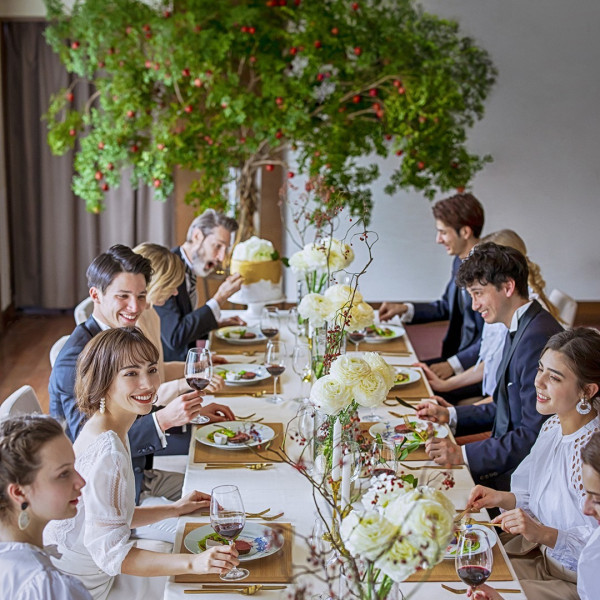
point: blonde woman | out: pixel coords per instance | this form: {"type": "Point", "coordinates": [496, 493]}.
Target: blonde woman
{"type": "Point", "coordinates": [492, 338]}
{"type": "Point", "coordinates": [168, 273]}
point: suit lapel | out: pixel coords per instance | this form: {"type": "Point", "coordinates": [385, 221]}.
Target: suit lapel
{"type": "Point", "coordinates": [92, 326]}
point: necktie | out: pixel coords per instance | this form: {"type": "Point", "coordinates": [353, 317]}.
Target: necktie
{"type": "Point", "coordinates": [190, 280]}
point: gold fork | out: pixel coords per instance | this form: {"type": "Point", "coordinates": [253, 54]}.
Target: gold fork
{"type": "Point", "coordinates": [464, 590]}
{"type": "Point", "coordinates": [240, 418]}
{"type": "Point", "coordinates": [247, 591]}
{"type": "Point", "coordinates": [251, 466]}
{"type": "Point", "coordinates": [273, 517]}
{"type": "Point", "coordinates": [423, 467]}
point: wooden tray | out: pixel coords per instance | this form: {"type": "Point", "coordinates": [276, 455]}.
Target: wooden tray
{"type": "Point", "coordinates": [418, 454]}
{"type": "Point", "coordinates": [209, 454]}
{"type": "Point", "coordinates": [276, 568]}
{"type": "Point", "coordinates": [446, 571]}
{"type": "Point", "coordinates": [397, 345]}
{"type": "Point", "coordinates": [251, 388]}
{"type": "Point", "coordinates": [221, 347]}
{"type": "Point", "coordinates": [418, 389]}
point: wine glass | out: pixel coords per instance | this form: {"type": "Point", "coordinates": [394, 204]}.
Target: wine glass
{"type": "Point", "coordinates": [474, 556]}
{"type": "Point", "coordinates": [269, 321]}
{"type": "Point", "coordinates": [383, 459]}
{"type": "Point", "coordinates": [357, 337]}
{"type": "Point", "coordinates": [302, 365]}
{"type": "Point", "coordinates": [275, 365]}
{"type": "Point", "coordinates": [198, 373]}
{"type": "Point", "coordinates": [228, 517]}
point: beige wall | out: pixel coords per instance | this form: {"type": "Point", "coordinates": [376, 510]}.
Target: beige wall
{"type": "Point", "coordinates": [5, 288]}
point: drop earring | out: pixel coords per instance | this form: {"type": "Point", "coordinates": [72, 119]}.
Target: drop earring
{"type": "Point", "coordinates": [24, 519]}
{"type": "Point", "coordinates": [584, 406]}
{"type": "Point", "coordinates": [155, 399]}
{"type": "Point", "coordinates": [102, 406]}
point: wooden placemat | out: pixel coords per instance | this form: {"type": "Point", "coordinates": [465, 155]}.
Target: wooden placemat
{"type": "Point", "coordinates": [418, 454]}
{"type": "Point", "coordinates": [446, 570]}
{"type": "Point", "coordinates": [210, 454]}
{"type": "Point", "coordinates": [418, 389]}
{"type": "Point", "coordinates": [251, 388]}
{"type": "Point", "coordinates": [276, 568]}
{"type": "Point", "coordinates": [220, 346]}
{"type": "Point", "coordinates": [397, 345]}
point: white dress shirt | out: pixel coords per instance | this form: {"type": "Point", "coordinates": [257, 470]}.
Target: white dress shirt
{"type": "Point", "coordinates": [588, 568]}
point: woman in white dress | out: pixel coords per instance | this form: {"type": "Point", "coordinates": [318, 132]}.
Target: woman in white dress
{"type": "Point", "coordinates": [117, 379]}
{"type": "Point", "coordinates": [588, 567]}
{"type": "Point", "coordinates": [543, 510]}
{"type": "Point", "coordinates": [38, 483]}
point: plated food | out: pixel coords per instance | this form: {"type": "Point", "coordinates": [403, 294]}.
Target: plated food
{"type": "Point", "coordinates": [382, 332]}
{"type": "Point", "coordinates": [406, 376]}
{"type": "Point", "coordinates": [233, 435]}
{"type": "Point", "coordinates": [256, 541]}
{"type": "Point", "coordinates": [241, 373]}
{"type": "Point", "coordinates": [235, 334]}
{"type": "Point", "coordinates": [397, 430]}
{"type": "Point", "coordinates": [481, 537]}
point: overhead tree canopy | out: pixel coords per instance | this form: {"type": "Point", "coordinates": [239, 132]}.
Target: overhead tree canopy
{"type": "Point", "coordinates": [211, 85]}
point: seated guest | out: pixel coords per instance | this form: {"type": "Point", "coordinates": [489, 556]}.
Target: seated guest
{"type": "Point", "coordinates": [205, 248]}
{"type": "Point", "coordinates": [458, 221]}
{"type": "Point", "coordinates": [168, 273]}
{"type": "Point", "coordinates": [492, 338]}
{"type": "Point", "coordinates": [588, 573]}
{"type": "Point", "coordinates": [117, 280]}
{"type": "Point", "coordinates": [38, 483]}
{"type": "Point", "coordinates": [117, 380]}
{"type": "Point", "coordinates": [496, 278]}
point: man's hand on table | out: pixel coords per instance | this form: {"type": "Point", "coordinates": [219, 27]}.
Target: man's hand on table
{"type": "Point", "coordinates": [231, 321]}
{"type": "Point", "coordinates": [484, 592]}
{"type": "Point", "coordinates": [444, 452]}
{"type": "Point", "coordinates": [443, 370]}
{"type": "Point", "coordinates": [437, 383]}
{"type": "Point", "coordinates": [388, 310]}
{"type": "Point", "coordinates": [218, 360]}
{"type": "Point", "coordinates": [217, 412]}
{"type": "Point", "coordinates": [430, 411]}
{"type": "Point", "coordinates": [217, 383]}
{"type": "Point", "coordinates": [180, 411]}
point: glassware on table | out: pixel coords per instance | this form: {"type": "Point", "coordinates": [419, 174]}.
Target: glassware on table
{"type": "Point", "coordinates": [356, 337]}
{"type": "Point", "coordinates": [198, 374]}
{"type": "Point", "coordinates": [383, 459]}
{"type": "Point", "coordinates": [302, 365]}
{"type": "Point", "coordinates": [269, 321]}
{"type": "Point", "coordinates": [474, 556]}
{"type": "Point", "coordinates": [227, 518]}
{"type": "Point", "coordinates": [275, 365]}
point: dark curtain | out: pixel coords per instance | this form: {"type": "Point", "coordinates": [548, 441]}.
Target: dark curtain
{"type": "Point", "coordinates": [53, 237]}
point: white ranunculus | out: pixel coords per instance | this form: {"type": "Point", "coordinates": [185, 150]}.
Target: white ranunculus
{"type": "Point", "coordinates": [314, 307]}
{"type": "Point", "coordinates": [383, 490]}
{"type": "Point", "coordinates": [340, 255]}
{"type": "Point", "coordinates": [402, 559]}
{"type": "Point", "coordinates": [349, 369]}
{"type": "Point", "coordinates": [298, 262]}
{"type": "Point", "coordinates": [340, 294]}
{"type": "Point", "coordinates": [255, 249]}
{"type": "Point", "coordinates": [370, 390]}
{"type": "Point", "coordinates": [361, 315]}
{"type": "Point", "coordinates": [330, 395]}
{"type": "Point", "coordinates": [367, 534]}
{"type": "Point", "coordinates": [378, 364]}
{"type": "Point", "coordinates": [321, 255]}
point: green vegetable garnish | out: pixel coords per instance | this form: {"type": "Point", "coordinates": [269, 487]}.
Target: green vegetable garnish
{"type": "Point", "coordinates": [223, 430]}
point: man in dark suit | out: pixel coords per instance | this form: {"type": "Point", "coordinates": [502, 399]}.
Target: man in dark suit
{"type": "Point", "coordinates": [205, 248]}
{"type": "Point", "coordinates": [458, 221]}
{"type": "Point", "coordinates": [496, 278]}
{"type": "Point", "coordinates": [117, 280]}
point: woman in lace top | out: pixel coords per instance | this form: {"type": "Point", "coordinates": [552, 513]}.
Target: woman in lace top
{"type": "Point", "coordinates": [38, 482]}
{"type": "Point", "coordinates": [544, 507]}
{"type": "Point", "coordinates": [117, 379]}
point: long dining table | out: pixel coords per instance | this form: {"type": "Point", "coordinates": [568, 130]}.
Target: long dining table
{"type": "Point", "coordinates": [282, 489]}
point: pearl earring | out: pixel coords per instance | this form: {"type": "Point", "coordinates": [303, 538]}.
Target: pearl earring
{"type": "Point", "coordinates": [583, 406]}
{"type": "Point", "coordinates": [24, 519]}
{"type": "Point", "coordinates": [102, 406]}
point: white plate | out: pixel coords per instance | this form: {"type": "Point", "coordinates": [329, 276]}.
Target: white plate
{"type": "Point", "coordinates": [261, 373]}
{"type": "Point", "coordinates": [413, 375]}
{"type": "Point", "coordinates": [387, 433]}
{"type": "Point", "coordinates": [263, 539]}
{"type": "Point", "coordinates": [225, 334]}
{"type": "Point", "coordinates": [397, 331]}
{"type": "Point", "coordinates": [485, 541]}
{"type": "Point", "coordinates": [256, 430]}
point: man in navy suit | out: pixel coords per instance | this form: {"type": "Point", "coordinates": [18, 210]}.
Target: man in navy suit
{"type": "Point", "coordinates": [458, 221]}
{"type": "Point", "coordinates": [205, 248]}
{"type": "Point", "coordinates": [496, 278]}
{"type": "Point", "coordinates": [117, 280]}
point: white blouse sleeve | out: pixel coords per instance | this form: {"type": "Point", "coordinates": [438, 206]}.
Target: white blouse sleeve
{"type": "Point", "coordinates": [588, 569]}
{"type": "Point", "coordinates": [107, 512]}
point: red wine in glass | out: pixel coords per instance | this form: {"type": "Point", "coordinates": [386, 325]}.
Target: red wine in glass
{"type": "Point", "coordinates": [229, 530]}
{"type": "Point", "coordinates": [383, 471]}
{"type": "Point", "coordinates": [473, 575]}
{"type": "Point", "coordinates": [275, 365]}
{"type": "Point", "coordinates": [197, 383]}
{"type": "Point", "coordinates": [356, 337]}
{"type": "Point", "coordinates": [198, 373]}
{"type": "Point", "coordinates": [275, 370]}
{"type": "Point", "coordinates": [269, 332]}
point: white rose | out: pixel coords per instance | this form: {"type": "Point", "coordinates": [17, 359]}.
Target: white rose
{"type": "Point", "coordinates": [340, 294]}
{"type": "Point", "coordinates": [366, 534]}
{"type": "Point", "coordinates": [314, 307]}
{"type": "Point", "coordinates": [361, 315]}
{"type": "Point", "coordinates": [330, 395]}
{"type": "Point", "coordinates": [340, 255]}
{"type": "Point", "coordinates": [298, 262]}
{"type": "Point", "coordinates": [316, 257]}
{"type": "Point", "coordinates": [370, 390]}
{"type": "Point", "coordinates": [402, 559]}
{"type": "Point", "coordinates": [254, 249]}
{"type": "Point", "coordinates": [384, 489]}
{"type": "Point", "coordinates": [378, 364]}
{"type": "Point", "coordinates": [349, 369]}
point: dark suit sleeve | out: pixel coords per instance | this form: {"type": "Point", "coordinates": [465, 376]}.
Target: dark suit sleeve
{"type": "Point", "coordinates": [425, 312]}
{"type": "Point", "coordinates": [468, 356]}
{"type": "Point", "coordinates": [475, 418]}
{"type": "Point", "coordinates": [178, 330]}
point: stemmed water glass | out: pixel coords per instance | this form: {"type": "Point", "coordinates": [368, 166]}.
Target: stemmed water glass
{"type": "Point", "coordinates": [383, 459]}
{"type": "Point", "coordinates": [269, 321]}
{"type": "Point", "coordinates": [474, 556]}
{"type": "Point", "coordinates": [228, 517]}
{"type": "Point", "coordinates": [275, 365]}
{"type": "Point", "coordinates": [356, 337]}
{"type": "Point", "coordinates": [198, 374]}
{"type": "Point", "coordinates": [302, 365]}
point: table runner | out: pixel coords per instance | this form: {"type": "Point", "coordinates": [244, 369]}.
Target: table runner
{"type": "Point", "coordinates": [418, 389]}
{"type": "Point", "coordinates": [397, 345]}
{"type": "Point", "coordinates": [222, 347]}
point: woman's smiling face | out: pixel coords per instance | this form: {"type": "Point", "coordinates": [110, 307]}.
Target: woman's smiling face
{"type": "Point", "coordinates": [133, 389]}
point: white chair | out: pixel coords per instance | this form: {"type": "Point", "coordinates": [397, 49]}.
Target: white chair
{"type": "Point", "coordinates": [83, 311]}
{"type": "Point", "coordinates": [56, 348]}
{"type": "Point", "coordinates": [22, 402]}
{"type": "Point", "coordinates": [567, 306]}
